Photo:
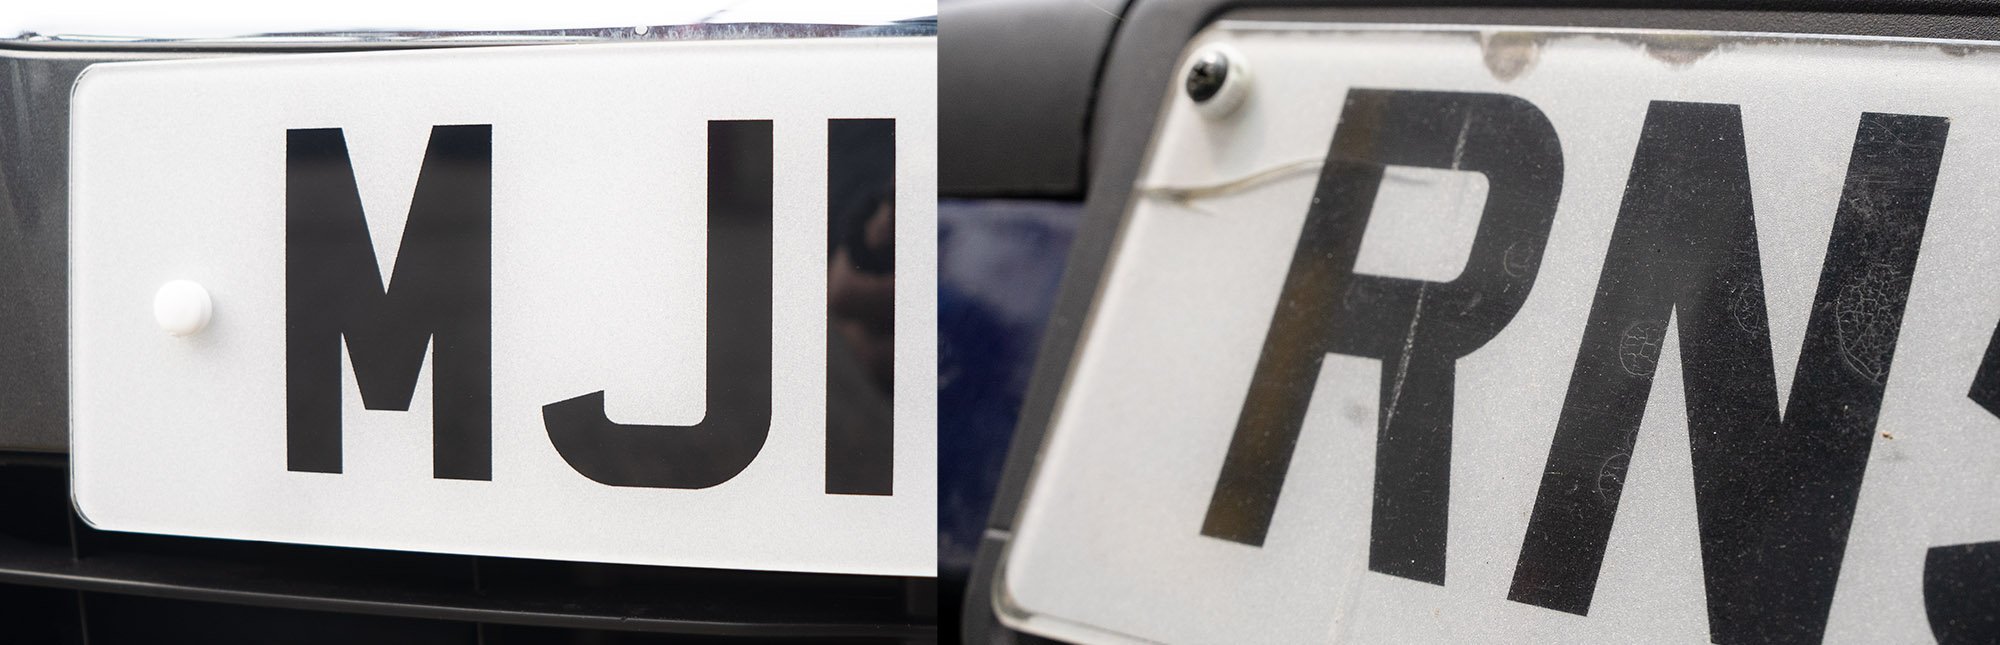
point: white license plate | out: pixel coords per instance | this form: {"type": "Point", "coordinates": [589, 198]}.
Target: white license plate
{"type": "Point", "coordinates": [1502, 335]}
{"type": "Point", "coordinates": [617, 303]}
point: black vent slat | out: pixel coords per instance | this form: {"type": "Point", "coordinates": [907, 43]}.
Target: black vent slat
{"type": "Point", "coordinates": [40, 615]}
{"type": "Point", "coordinates": [119, 619]}
{"type": "Point", "coordinates": [43, 546]}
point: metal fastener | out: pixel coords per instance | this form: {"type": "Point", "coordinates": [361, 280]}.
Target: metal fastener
{"type": "Point", "coordinates": [1208, 74]}
{"type": "Point", "coordinates": [1217, 80]}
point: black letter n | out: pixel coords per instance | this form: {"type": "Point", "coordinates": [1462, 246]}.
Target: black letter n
{"type": "Point", "coordinates": [1775, 487]}
{"type": "Point", "coordinates": [439, 295]}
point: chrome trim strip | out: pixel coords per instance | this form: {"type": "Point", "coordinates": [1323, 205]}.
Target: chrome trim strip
{"type": "Point", "coordinates": [391, 39]}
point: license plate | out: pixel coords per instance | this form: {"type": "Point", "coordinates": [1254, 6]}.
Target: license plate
{"type": "Point", "coordinates": [618, 303]}
{"type": "Point", "coordinates": [1527, 335]}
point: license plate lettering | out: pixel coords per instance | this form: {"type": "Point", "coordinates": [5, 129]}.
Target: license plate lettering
{"type": "Point", "coordinates": [1775, 487]}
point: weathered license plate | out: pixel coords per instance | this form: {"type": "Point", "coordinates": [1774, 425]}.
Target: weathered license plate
{"type": "Point", "coordinates": [1532, 335]}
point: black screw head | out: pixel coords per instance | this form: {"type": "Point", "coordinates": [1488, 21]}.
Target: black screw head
{"type": "Point", "coordinates": [1205, 78]}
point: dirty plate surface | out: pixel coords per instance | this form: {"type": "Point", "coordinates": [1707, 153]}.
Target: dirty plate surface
{"type": "Point", "coordinates": [1489, 334]}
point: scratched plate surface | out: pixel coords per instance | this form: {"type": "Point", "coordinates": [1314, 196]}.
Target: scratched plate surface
{"type": "Point", "coordinates": [1463, 334]}
{"type": "Point", "coordinates": [620, 320]}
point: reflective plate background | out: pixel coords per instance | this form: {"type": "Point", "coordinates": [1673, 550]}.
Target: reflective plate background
{"type": "Point", "coordinates": [599, 263]}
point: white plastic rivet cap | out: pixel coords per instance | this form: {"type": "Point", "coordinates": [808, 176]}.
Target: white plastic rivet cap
{"type": "Point", "coordinates": [182, 307]}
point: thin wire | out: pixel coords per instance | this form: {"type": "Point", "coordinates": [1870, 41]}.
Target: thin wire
{"type": "Point", "coordinates": [1184, 194]}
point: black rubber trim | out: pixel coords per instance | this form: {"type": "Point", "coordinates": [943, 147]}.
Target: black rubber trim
{"type": "Point", "coordinates": [1139, 70]}
{"type": "Point", "coordinates": [1015, 87]}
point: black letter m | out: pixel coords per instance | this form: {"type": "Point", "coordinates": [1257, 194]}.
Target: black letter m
{"type": "Point", "coordinates": [439, 295]}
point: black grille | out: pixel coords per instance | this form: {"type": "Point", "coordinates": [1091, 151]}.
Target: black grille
{"type": "Point", "coordinates": [64, 582]}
